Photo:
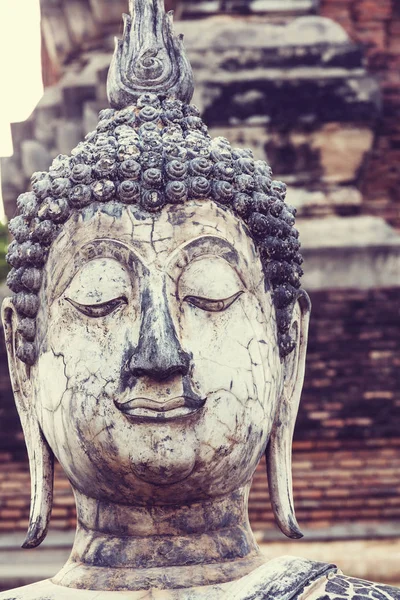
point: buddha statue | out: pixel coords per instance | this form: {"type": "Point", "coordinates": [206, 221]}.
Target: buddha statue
{"type": "Point", "coordinates": [157, 339]}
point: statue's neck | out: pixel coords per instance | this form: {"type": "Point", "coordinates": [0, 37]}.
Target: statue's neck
{"type": "Point", "coordinates": [137, 547]}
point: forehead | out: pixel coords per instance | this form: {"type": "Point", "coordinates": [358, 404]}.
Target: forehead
{"type": "Point", "coordinates": [156, 239]}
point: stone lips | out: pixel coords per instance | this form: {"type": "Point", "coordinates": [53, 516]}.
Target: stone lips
{"type": "Point", "coordinates": [150, 154]}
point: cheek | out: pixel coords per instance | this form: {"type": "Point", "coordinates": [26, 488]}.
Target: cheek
{"type": "Point", "coordinates": [83, 358]}
{"type": "Point", "coordinates": [237, 366]}
{"type": "Point", "coordinates": [92, 349]}
{"type": "Point", "coordinates": [233, 350]}
{"type": "Point", "coordinates": [218, 344]}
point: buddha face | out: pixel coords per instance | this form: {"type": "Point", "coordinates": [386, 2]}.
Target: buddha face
{"type": "Point", "coordinates": [158, 372]}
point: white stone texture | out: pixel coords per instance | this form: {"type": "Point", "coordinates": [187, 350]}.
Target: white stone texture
{"type": "Point", "coordinates": [341, 149]}
{"type": "Point", "coordinates": [223, 32]}
{"type": "Point", "coordinates": [229, 360]}
{"type": "Point", "coordinates": [34, 156]}
{"type": "Point", "coordinates": [157, 387]}
{"type": "Point", "coordinates": [68, 135]}
{"type": "Point", "coordinates": [351, 253]}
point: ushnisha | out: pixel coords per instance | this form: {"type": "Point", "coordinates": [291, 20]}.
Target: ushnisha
{"type": "Point", "coordinates": [157, 339]}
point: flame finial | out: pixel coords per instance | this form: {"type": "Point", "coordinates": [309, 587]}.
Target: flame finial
{"type": "Point", "coordinates": [149, 58]}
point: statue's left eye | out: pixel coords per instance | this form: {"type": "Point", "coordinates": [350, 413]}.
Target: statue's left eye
{"type": "Point", "coordinates": [99, 310]}
{"type": "Point", "coordinates": [212, 305]}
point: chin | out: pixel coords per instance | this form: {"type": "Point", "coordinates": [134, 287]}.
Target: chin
{"type": "Point", "coordinates": [165, 453]}
{"type": "Point", "coordinates": [165, 472]}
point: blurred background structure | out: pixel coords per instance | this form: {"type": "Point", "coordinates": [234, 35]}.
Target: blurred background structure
{"type": "Point", "coordinates": [313, 87]}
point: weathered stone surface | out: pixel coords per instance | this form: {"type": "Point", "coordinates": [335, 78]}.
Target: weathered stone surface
{"type": "Point", "coordinates": [108, 11]}
{"type": "Point", "coordinates": [34, 156]}
{"type": "Point", "coordinates": [329, 155]}
{"type": "Point", "coordinates": [161, 66]}
{"type": "Point", "coordinates": [310, 58]}
{"type": "Point", "coordinates": [207, 7]}
{"type": "Point", "coordinates": [359, 556]}
{"type": "Point", "coordinates": [81, 22]}
{"type": "Point", "coordinates": [90, 116]}
{"type": "Point", "coordinates": [156, 277]}
{"type": "Point", "coordinates": [58, 41]}
{"type": "Point", "coordinates": [375, 26]}
{"type": "Point", "coordinates": [266, 98]}
{"type": "Point", "coordinates": [44, 127]}
{"type": "Point", "coordinates": [151, 235]}
{"type": "Point", "coordinates": [344, 200]}
{"type": "Point", "coordinates": [11, 174]}
{"type": "Point", "coordinates": [252, 86]}
{"type": "Point", "coordinates": [361, 253]}
{"type": "Point", "coordinates": [135, 246]}
{"type": "Point", "coordinates": [222, 33]}
{"type": "Point", "coordinates": [68, 135]}
{"type": "Point", "coordinates": [161, 232]}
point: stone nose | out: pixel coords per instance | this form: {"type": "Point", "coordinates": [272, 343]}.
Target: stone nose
{"type": "Point", "coordinates": [159, 354]}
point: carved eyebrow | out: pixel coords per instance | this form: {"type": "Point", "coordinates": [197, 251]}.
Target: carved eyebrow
{"type": "Point", "coordinates": [222, 243]}
{"type": "Point", "coordinates": [96, 248]}
{"type": "Point", "coordinates": [100, 247]}
{"type": "Point", "coordinates": [201, 244]}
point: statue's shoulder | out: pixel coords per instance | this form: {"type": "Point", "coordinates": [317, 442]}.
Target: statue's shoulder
{"type": "Point", "coordinates": [286, 577]}
{"type": "Point", "coordinates": [46, 590]}
{"type": "Point", "coordinates": [35, 591]}
{"type": "Point", "coordinates": [340, 587]}
{"type": "Point", "coordinates": [293, 578]}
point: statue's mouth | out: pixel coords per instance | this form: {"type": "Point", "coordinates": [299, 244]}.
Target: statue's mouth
{"type": "Point", "coordinates": [146, 409]}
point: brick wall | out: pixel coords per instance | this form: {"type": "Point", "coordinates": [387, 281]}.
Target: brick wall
{"type": "Point", "coordinates": [337, 485]}
{"type": "Point", "coordinates": [352, 388]}
{"type": "Point", "coordinates": [347, 443]}
{"type": "Point", "coordinates": [376, 25]}
{"type": "Point", "coordinates": [352, 483]}
{"type": "Point", "coordinates": [346, 463]}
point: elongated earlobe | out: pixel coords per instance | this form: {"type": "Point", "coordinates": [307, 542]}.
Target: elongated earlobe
{"type": "Point", "coordinates": [41, 459]}
{"type": "Point", "coordinates": [279, 469]}
{"type": "Point", "coordinates": [279, 449]}
{"type": "Point", "coordinates": [41, 463]}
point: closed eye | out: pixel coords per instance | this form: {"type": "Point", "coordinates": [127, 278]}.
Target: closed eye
{"type": "Point", "coordinates": [99, 310]}
{"type": "Point", "coordinates": [212, 305]}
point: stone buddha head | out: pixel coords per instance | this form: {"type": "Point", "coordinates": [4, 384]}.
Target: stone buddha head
{"type": "Point", "coordinates": [157, 332]}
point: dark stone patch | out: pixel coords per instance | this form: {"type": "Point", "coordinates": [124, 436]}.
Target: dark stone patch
{"type": "Point", "coordinates": [346, 56]}
{"type": "Point", "coordinates": [363, 589]}
{"type": "Point", "coordinates": [293, 103]}
{"type": "Point", "coordinates": [203, 8]}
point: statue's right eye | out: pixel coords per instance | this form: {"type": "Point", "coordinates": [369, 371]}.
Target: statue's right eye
{"type": "Point", "coordinates": [99, 310]}
{"type": "Point", "coordinates": [100, 287]}
{"type": "Point", "coordinates": [210, 283]}
{"type": "Point", "coordinates": [210, 305]}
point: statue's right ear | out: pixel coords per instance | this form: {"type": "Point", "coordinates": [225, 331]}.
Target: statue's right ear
{"type": "Point", "coordinates": [279, 449]}
{"type": "Point", "coordinates": [41, 458]}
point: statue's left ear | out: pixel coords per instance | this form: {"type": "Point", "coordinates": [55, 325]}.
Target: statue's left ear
{"type": "Point", "coordinates": [279, 449]}
{"type": "Point", "coordinates": [41, 459]}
